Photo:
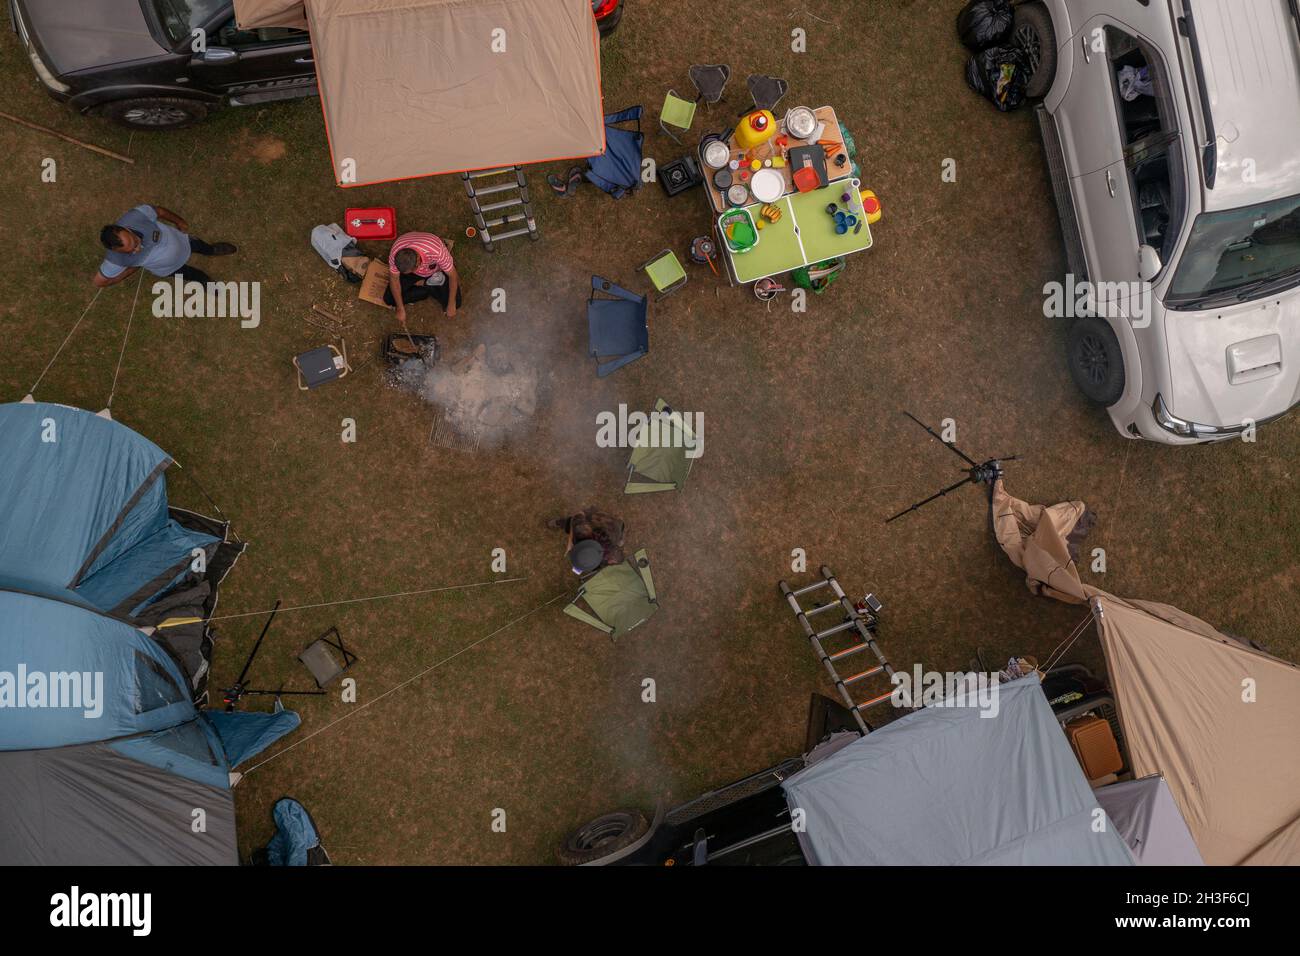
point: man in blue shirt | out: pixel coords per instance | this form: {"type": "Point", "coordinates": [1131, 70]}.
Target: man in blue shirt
{"type": "Point", "coordinates": [153, 238]}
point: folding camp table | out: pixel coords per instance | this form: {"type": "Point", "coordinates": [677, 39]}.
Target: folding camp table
{"type": "Point", "coordinates": [805, 233]}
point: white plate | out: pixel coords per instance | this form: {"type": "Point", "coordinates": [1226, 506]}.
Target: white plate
{"type": "Point", "coordinates": [767, 185]}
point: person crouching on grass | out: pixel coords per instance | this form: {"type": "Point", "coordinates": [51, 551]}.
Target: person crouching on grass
{"type": "Point", "coordinates": [420, 267]}
{"type": "Point", "coordinates": [153, 238]}
{"type": "Point", "coordinates": [595, 539]}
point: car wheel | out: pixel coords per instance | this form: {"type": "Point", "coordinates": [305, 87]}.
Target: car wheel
{"type": "Point", "coordinates": [1096, 362]}
{"type": "Point", "coordinates": [603, 836]}
{"type": "Point", "coordinates": [155, 112]}
{"type": "Point", "coordinates": [1034, 35]}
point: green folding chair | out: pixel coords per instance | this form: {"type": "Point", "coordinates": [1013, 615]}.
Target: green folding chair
{"type": "Point", "coordinates": [665, 272]}
{"type": "Point", "coordinates": [677, 113]}
{"type": "Point", "coordinates": [620, 596]}
{"type": "Point", "coordinates": [659, 461]}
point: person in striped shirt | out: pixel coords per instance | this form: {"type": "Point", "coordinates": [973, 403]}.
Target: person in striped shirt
{"type": "Point", "coordinates": [420, 267]}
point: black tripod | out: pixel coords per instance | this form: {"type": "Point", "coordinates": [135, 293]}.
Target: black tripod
{"type": "Point", "coordinates": [232, 694]}
{"type": "Point", "coordinates": [982, 473]}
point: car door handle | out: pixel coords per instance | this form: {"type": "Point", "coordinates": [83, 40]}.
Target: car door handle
{"type": "Point", "coordinates": [1110, 183]}
{"type": "Point", "coordinates": [1087, 53]}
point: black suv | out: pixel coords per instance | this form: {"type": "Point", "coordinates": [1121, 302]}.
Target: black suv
{"type": "Point", "coordinates": [133, 61]}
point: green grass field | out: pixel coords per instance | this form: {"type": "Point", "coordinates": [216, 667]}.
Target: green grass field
{"type": "Point", "coordinates": [806, 446]}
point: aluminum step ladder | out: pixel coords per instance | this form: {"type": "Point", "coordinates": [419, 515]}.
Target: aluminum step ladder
{"type": "Point", "coordinates": [511, 214]}
{"type": "Point", "coordinates": [857, 625]}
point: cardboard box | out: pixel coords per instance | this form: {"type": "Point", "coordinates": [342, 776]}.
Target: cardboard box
{"type": "Point", "coordinates": [375, 283]}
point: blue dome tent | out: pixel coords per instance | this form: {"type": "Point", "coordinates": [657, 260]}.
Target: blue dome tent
{"type": "Point", "coordinates": [106, 753]}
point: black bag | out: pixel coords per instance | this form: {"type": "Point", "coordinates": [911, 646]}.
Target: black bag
{"type": "Point", "coordinates": [982, 23]}
{"type": "Point", "coordinates": [1000, 74]}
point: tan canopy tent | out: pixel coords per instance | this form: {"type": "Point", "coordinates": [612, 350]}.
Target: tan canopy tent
{"type": "Point", "coordinates": [422, 87]}
{"type": "Point", "coordinates": [1218, 718]}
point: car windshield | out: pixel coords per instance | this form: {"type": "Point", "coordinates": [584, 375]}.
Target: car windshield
{"type": "Point", "coordinates": [1238, 251]}
{"type": "Point", "coordinates": [180, 18]}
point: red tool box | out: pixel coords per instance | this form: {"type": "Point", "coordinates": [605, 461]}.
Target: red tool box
{"type": "Point", "coordinates": [377, 222]}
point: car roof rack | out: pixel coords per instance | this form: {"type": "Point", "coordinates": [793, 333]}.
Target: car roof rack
{"type": "Point", "coordinates": [1210, 151]}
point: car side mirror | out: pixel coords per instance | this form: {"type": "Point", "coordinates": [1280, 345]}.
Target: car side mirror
{"type": "Point", "coordinates": [1149, 264]}
{"type": "Point", "coordinates": [217, 54]}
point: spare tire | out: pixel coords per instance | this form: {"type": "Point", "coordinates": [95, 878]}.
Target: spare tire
{"type": "Point", "coordinates": [602, 836]}
{"type": "Point", "coordinates": [1034, 35]}
{"type": "Point", "coordinates": [1095, 360]}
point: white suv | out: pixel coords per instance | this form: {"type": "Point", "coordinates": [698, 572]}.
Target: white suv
{"type": "Point", "coordinates": [1172, 133]}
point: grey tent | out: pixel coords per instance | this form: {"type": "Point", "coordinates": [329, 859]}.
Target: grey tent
{"type": "Point", "coordinates": [620, 596]}
{"type": "Point", "coordinates": [660, 459]}
{"type": "Point", "coordinates": [106, 755]}
{"type": "Point", "coordinates": [946, 786]}
{"type": "Point", "coordinates": [1150, 822]}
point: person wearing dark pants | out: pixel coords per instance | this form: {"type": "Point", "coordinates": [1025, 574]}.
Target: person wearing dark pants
{"type": "Point", "coordinates": [417, 288]}
{"type": "Point", "coordinates": [420, 267]}
{"type": "Point", "coordinates": [156, 239]}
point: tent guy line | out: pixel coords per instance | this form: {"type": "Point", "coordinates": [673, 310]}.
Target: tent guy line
{"type": "Point", "coordinates": [94, 299]}
{"type": "Point", "coordinates": [409, 680]}
{"type": "Point", "coordinates": [125, 336]}
{"type": "Point", "coordinates": [375, 597]}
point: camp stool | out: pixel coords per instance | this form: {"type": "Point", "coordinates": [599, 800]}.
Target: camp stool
{"type": "Point", "coordinates": [663, 467]}
{"type": "Point", "coordinates": [321, 365]}
{"type": "Point", "coordinates": [620, 596]}
{"type": "Point", "coordinates": [665, 272]}
{"type": "Point", "coordinates": [318, 657]}
{"type": "Point", "coordinates": [859, 626]}
{"type": "Point", "coordinates": [676, 113]}
{"type": "Point", "coordinates": [710, 80]}
{"type": "Point", "coordinates": [766, 90]}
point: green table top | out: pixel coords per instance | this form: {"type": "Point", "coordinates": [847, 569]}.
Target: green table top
{"type": "Point", "coordinates": [804, 234]}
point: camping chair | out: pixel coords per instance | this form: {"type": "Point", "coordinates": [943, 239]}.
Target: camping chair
{"type": "Point", "coordinates": [665, 272]}
{"type": "Point", "coordinates": [617, 326]}
{"type": "Point", "coordinates": [710, 81]}
{"type": "Point", "coordinates": [620, 596]}
{"type": "Point", "coordinates": [766, 90]}
{"type": "Point", "coordinates": [676, 113]}
{"type": "Point", "coordinates": [618, 169]}
{"type": "Point", "coordinates": [321, 365]}
{"type": "Point", "coordinates": [318, 658]}
{"type": "Point", "coordinates": [664, 465]}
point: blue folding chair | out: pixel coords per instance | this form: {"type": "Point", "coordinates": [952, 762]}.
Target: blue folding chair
{"type": "Point", "coordinates": [618, 327]}
{"type": "Point", "coordinates": [618, 169]}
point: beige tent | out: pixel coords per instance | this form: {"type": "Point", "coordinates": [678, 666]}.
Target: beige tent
{"type": "Point", "coordinates": [1036, 539]}
{"type": "Point", "coordinates": [1181, 688]}
{"type": "Point", "coordinates": [254, 14]}
{"type": "Point", "coordinates": [422, 87]}
{"type": "Point", "coordinates": [1219, 719]}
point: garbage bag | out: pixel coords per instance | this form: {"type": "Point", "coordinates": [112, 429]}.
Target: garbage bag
{"type": "Point", "coordinates": [1000, 74]}
{"type": "Point", "coordinates": [982, 23]}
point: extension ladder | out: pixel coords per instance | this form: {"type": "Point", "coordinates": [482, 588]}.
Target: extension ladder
{"type": "Point", "coordinates": [858, 624]}
{"type": "Point", "coordinates": [507, 212]}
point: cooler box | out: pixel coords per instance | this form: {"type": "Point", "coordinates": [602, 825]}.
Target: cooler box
{"type": "Point", "coordinates": [376, 222]}
{"type": "Point", "coordinates": [1094, 744]}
